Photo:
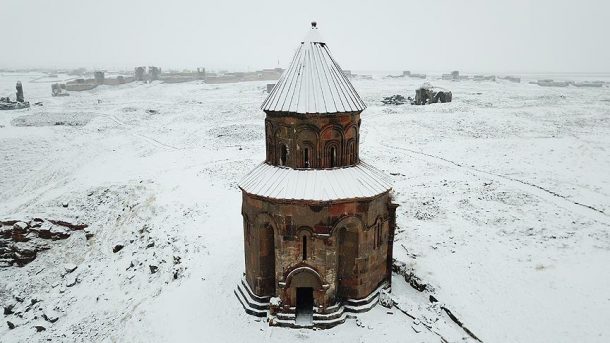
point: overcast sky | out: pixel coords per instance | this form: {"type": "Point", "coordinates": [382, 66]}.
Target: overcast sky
{"type": "Point", "coordinates": [425, 35]}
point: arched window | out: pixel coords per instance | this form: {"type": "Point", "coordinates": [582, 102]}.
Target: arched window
{"type": "Point", "coordinates": [306, 158]}
{"type": "Point", "coordinates": [304, 248]}
{"type": "Point", "coordinates": [283, 154]}
{"type": "Point", "coordinates": [333, 157]}
{"type": "Point", "coordinates": [351, 151]}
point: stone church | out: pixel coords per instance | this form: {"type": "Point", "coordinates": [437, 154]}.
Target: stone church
{"type": "Point", "coordinates": [318, 221]}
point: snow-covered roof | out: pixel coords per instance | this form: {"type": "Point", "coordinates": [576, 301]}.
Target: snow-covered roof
{"type": "Point", "coordinates": [359, 181]}
{"type": "Point", "coordinates": [314, 82]}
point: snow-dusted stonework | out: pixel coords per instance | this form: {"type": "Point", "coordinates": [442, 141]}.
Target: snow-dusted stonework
{"type": "Point", "coordinates": [318, 223]}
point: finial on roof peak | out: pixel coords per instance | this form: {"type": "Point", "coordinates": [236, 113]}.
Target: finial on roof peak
{"type": "Point", "coordinates": [314, 25]}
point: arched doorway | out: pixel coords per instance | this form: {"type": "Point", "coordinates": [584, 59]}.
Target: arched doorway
{"type": "Point", "coordinates": [303, 282]}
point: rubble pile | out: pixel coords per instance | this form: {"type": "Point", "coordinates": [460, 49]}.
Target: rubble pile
{"type": "Point", "coordinates": [394, 100]}
{"type": "Point", "coordinates": [20, 241]}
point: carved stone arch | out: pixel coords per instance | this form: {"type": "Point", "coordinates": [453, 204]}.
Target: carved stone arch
{"type": "Point", "coordinates": [348, 231]}
{"type": "Point", "coordinates": [351, 144]}
{"type": "Point", "coordinates": [378, 219]}
{"type": "Point", "coordinates": [307, 142]}
{"type": "Point", "coordinates": [304, 277]}
{"type": "Point", "coordinates": [351, 131]}
{"type": "Point", "coordinates": [265, 217]}
{"type": "Point", "coordinates": [332, 131]}
{"type": "Point", "coordinates": [265, 231]}
{"type": "Point", "coordinates": [350, 152]}
{"type": "Point", "coordinates": [332, 154]}
{"type": "Point", "coordinates": [331, 141]}
{"type": "Point", "coordinates": [308, 127]}
{"type": "Point", "coordinates": [305, 230]}
{"type": "Point", "coordinates": [350, 222]}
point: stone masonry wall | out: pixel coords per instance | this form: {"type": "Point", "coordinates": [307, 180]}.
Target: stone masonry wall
{"type": "Point", "coordinates": [347, 246]}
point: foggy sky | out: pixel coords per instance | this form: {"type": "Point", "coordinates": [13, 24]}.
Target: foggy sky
{"type": "Point", "coordinates": [426, 35]}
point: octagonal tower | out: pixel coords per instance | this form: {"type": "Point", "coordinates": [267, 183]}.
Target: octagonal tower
{"type": "Point", "coordinates": [318, 222]}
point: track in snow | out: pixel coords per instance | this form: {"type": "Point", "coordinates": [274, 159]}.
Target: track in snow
{"type": "Point", "coordinates": [590, 211]}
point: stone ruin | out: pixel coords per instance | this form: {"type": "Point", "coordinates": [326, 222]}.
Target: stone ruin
{"type": "Point", "coordinates": [408, 73]}
{"type": "Point", "coordinates": [99, 77]}
{"type": "Point", "coordinates": [59, 89]}
{"type": "Point", "coordinates": [7, 104]}
{"type": "Point", "coordinates": [139, 73]}
{"type": "Point", "coordinates": [148, 74]}
{"type": "Point", "coordinates": [427, 94]}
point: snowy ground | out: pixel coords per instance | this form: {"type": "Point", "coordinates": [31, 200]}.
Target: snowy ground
{"type": "Point", "coordinates": [504, 194]}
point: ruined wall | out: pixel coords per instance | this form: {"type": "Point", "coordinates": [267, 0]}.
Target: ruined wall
{"type": "Point", "coordinates": [346, 245]}
{"type": "Point", "coordinates": [312, 141]}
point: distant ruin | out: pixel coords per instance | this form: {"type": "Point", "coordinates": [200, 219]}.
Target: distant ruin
{"type": "Point", "coordinates": [427, 94]}
{"type": "Point", "coordinates": [20, 103]}
{"type": "Point", "coordinates": [59, 89]}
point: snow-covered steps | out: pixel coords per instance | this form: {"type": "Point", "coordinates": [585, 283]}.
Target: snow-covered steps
{"type": "Point", "coordinates": [253, 304]}
{"type": "Point", "coordinates": [334, 315]}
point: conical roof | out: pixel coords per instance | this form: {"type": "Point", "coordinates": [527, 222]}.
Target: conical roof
{"type": "Point", "coordinates": [314, 82]}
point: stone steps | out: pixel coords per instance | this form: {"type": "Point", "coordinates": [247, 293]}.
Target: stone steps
{"type": "Point", "coordinates": [252, 304]}
{"type": "Point", "coordinates": [335, 315]}
{"type": "Point", "coordinates": [367, 303]}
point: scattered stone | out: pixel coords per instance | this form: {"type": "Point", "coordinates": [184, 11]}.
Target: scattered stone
{"type": "Point", "coordinates": [20, 226]}
{"type": "Point", "coordinates": [88, 234]}
{"type": "Point", "coordinates": [153, 269]}
{"type": "Point", "coordinates": [39, 328]}
{"type": "Point", "coordinates": [394, 100]}
{"type": "Point", "coordinates": [385, 299]}
{"type": "Point", "coordinates": [152, 111]}
{"type": "Point", "coordinates": [50, 315]}
{"type": "Point", "coordinates": [150, 244]}
{"type": "Point", "coordinates": [64, 204]}
{"type": "Point", "coordinates": [117, 248]}
{"type": "Point", "coordinates": [71, 281]}
{"type": "Point", "coordinates": [359, 323]}
{"type": "Point", "coordinates": [70, 267]}
{"type": "Point", "coordinates": [10, 325]}
{"type": "Point", "coordinates": [8, 309]}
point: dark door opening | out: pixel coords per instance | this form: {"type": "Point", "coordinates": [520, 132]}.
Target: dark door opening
{"type": "Point", "coordinates": [304, 306]}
